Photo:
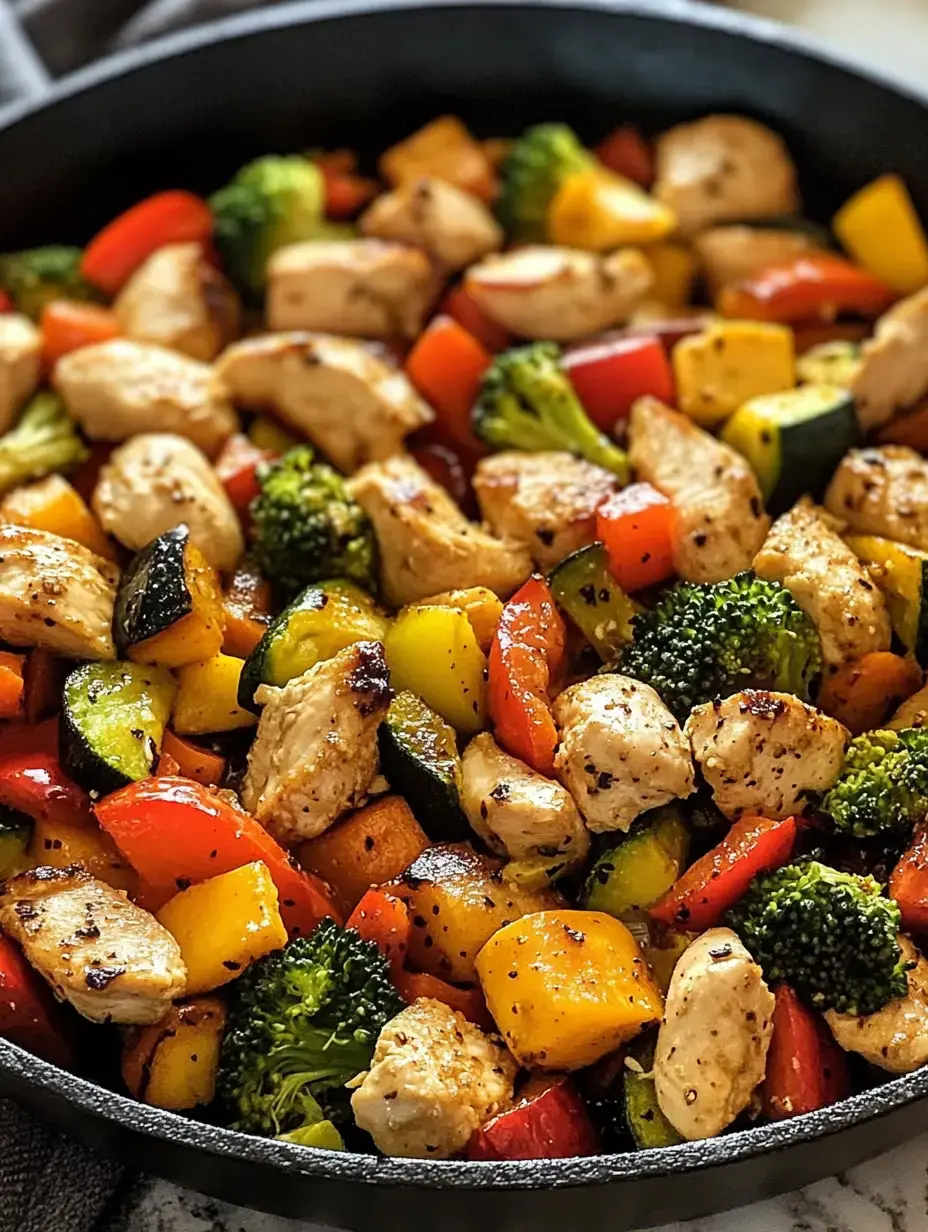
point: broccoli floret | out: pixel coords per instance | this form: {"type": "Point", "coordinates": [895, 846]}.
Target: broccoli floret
{"type": "Point", "coordinates": [707, 640]}
{"type": "Point", "coordinates": [883, 784]}
{"type": "Point", "coordinates": [303, 1022]}
{"type": "Point", "coordinates": [832, 936]}
{"type": "Point", "coordinates": [44, 441]}
{"type": "Point", "coordinates": [527, 402]}
{"type": "Point", "coordinates": [35, 277]}
{"type": "Point", "coordinates": [534, 170]}
{"type": "Point", "coordinates": [306, 527]}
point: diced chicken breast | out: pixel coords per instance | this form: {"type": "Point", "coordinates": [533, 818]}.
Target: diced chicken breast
{"type": "Point", "coordinates": [434, 1079]}
{"type": "Point", "coordinates": [112, 961]}
{"type": "Point", "coordinates": [765, 753]}
{"type": "Point", "coordinates": [346, 400]}
{"type": "Point", "coordinates": [720, 522]}
{"type": "Point", "coordinates": [712, 1045]}
{"type": "Point", "coordinates": [20, 364]}
{"type": "Point", "coordinates": [895, 1038]}
{"type": "Point", "coordinates": [732, 253]}
{"type": "Point", "coordinates": [882, 492]}
{"type": "Point", "coordinates": [560, 294]}
{"type": "Point", "coordinates": [156, 482]}
{"type": "Point", "coordinates": [547, 501]}
{"type": "Point", "coordinates": [912, 713]}
{"type": "Point", "coordinates": [179, 300]}
{"type": "Point", "coordinates": [894, 371]}
{"type": "Point", "coordinates": [621, 751]}
{"type": "Point", "coordinates": [55, 593]}
{"type": "Point", "coordinates": [724, 168]}
{"type": "Point", "coordinates": [118, 388]}
{"type": "Point", "coordinates": [365, 288]}
{"type": "Point", "coordinates": [805, 553]}
{"type": "Point", "coordinates": [315, 752]}
{"type": "Point", "coordinates": [426, 543]}
{"type": "Point", "coordinates": [432, 214]}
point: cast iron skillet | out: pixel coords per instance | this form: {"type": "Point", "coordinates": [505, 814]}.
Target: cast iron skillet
{"type": "Point", "coordinates": [188, 111]}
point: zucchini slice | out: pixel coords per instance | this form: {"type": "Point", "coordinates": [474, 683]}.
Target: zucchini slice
{"type": "Point", "coordinates": [901, 573]}
{"type": "Point", "coordinates": [647, 1125]}
{"type": "Point", "coordinates": [321, 621]}
{"type": "Point", "coordinates": [169, 607]}
{"type": "Point", "coordinates": [15, 837]}
{"type": "Point", "coordinates": [112, 720]}
{"type": "Point", "coordinates": [587, 592]}
{"type": "Point", "coordinates": [830, 363]}
{"type": "Point", "coordinates": [628, 878]}
{"type": "Point", "coordinates": [794, 440]}
{"type": "Point", "coordinates": [419, 758]}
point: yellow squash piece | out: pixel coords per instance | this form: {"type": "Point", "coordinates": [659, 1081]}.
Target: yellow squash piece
{"type": "Point", "coordinates": [598, 210]}
{"type": "Point", "coordinates": [173, 1064]}
{"type": "Point", "coordinates": [901, 572]}
{"type": "Point", "coordinates": [53, 505]}
{"type": "Point", "coordinates": [433, 651]}
{"type": "Point", "coordinates": [444, 149]}
{"type": "Point", "coordinates": [881, 230]}
{"type": "Point", "coordinates": [224, 924]}
{"type": "Point", "coordinates": [58, 844]}
{"type": "Point", "coordinates": [674, 269]}
{"type": "Point", "coordinates": [207, 699]}
{"type": "Point", "coordinates": [199, 634]}
{"type": "Point", "coordinates": [567, 987]}
{"type": "Point", "coordinates": [480, 605]}
{"type": "Point", "coordinates": [729, 363]}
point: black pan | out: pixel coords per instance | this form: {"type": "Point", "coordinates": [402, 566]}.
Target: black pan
{"type": "Point", "coordinates": [186, 112]}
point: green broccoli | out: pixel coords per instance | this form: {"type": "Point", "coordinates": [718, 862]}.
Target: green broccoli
{"type": "Point", "coordinates": [38, 275]}
{"type": "Point", "coordinates": [534, 170]}
{"type": "Point", "coordinates": [303, 1022]}
{"type": "Point", "coordinates": [44, 441]}
{"type": "Point", "coordinates": [883, 784]}
{"type": "Point", "coordinates": [706, 640]}
{"type": "Point", "coordinates": [832, 936]}
{"type": "Point", "coordinates": [306, 527]}
{"type": "Point", "coordinates": [527, 402]}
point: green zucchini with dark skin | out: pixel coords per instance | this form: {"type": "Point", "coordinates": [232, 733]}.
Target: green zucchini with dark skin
{"type": "Point", "coordinates": [112, 720]}
{"type": "Point", "coordinates": [587, 592]}
{"type": "Point", "coordinates": [647, 1125]}
{"type": "Point", "coordinates": [630, 876]}
{"type": "Point", "coordinates": [794, 440]}
{"type": "Point", "coordinates": [15, 836]}
{"type": "Point", "coordinates": [419, 759]}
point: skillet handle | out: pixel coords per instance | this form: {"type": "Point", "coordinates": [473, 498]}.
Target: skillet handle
{"type": "Point", "coordinates": [23, 76]}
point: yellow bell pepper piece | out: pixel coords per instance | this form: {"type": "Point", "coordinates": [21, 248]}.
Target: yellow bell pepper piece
{"type": "Point", "coordinates": [207, 697]}
{"type": "Point", "coordinates": [53, 505]}
{"type": "Point", "coordinates": [674, 269]}
{"type": "Point", "coordinates": [174, 1063]}
{"type": "Point", "coordinates": [480, 605]}
{"type": "Point", "coordinates": [433, 651]}
{"type": "Point", "coordinates": [59, 843]}
{"type": "Point", "coordinates": [728, 364]}
{"type": "Point", "coordinates": [881, 230]}
{"type": "Point", "coordinates": [224, 924]}
{"type": "Point", "coordinates": [598, 211]}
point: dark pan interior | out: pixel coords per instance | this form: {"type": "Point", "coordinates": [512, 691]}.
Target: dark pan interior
{"type": "Point", "coordinates": [186, 113]}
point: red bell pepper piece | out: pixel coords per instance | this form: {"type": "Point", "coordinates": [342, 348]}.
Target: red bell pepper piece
{"type": "Point", "coordinates": [28, 1015]}
{"type": "Point", "coordinates": [636, 526]}
{"type": "Point", "coordinates": [550, 1121]}
{"type": "Point", "coordinates": [237, 471]}
{"type": "Point", "coordinates": [445, 466]}
{"type": "Point", "coordinates": [19, 739]}
{"type": "Point", "coordinates": [44, 675]}
{"type": "Point", "coordinates": [808, 287]}
{"type": "Point", "coordinates": [412, 985]}
{"type": "Point", "coordinates": [446, 366]}
{"type": "Point", "coordinates": [526, 655]}
{"type": "Point", "coordinates": [346, 194]}
{"type": "Point", "coordinates": [626, 152]}
{"type": "Point", "coordinates": [35, 784]}
{"type": "Point", "coordinates": [806, 1069]}
{"type": "Point", "coordinates": [383, 919]}
{"type": "Point", "coordinates": [698, 900]}
{"type": "Point", "coordinates": [68, 325]}
{"type": "Point", "coordinates": [6, 304]}
{"type": "Point", "coordinates": [908, 883]}
{"type": "Point", "coordinates": [610, 376]}
{"type": "Point", "coordinates": [174, 832]}
{"type": "Point", "coordinates": [461, 305]}
{"type": "Point", "coordinates": [116, 252]}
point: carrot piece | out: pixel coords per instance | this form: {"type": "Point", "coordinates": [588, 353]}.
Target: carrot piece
{"type": "Point", "coordinates": [626, 152]}
{"type": "Point", "coordinates": [11, 684]}
{"type": "Point", "coordinates": [247, 607]}
{"type": "Point", "coordinates": [446, 366]}
{"type": "Point", "coordinates": [192, 760]}
{"type": "Point", "coordinates": [383, 919]}
{"type": "Point", "coordinates": [908, 883]}
{"type": "Point", "coordinates": [637, 525]}
{"type": "Point", "coordinates": [116, 252]}
{"type": "Point", "coordinates": [461, 305]}
{"type": "Point", "coordinates": [412, 985]}
{"type": "Point", "coordinates": [863, 694]}
{"type": "Point", "coordinates": [68, 325]}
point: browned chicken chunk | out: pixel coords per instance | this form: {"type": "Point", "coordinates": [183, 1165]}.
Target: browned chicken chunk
{"type": "Point", "coordinates": [882, 492]}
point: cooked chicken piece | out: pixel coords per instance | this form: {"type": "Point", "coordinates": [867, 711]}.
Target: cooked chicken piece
{"type": "Point", "coordinates": [720, 519]}
{"type": "Point", "coordinates": [157, 481]}
{"type": "Point", "coordinates": [547, 501]}
{"type": "Point", "coordinates": [352, 405]}
{"type": "Point", "coordinates": [365, 288]}
{"type": "Point", "coordinates": [712, 1044]}
{"type": "Point", "coordinates": [55, 593]}
{"type": "Point", "coordinates": [108, 958]}
{"type": "Point", "coordinates": [765, 753]}
{"type": "Point", "coordinates": [882, 492]}
{"type": "Point", "coordinates": [732, 253]}
{"type": "Point", "coordinates": [517, 812]}
{"type": "Point", "coordinates": [621, 751]}
{"type": "Point", "coordinates": [912, 713]}
{"type": "Point", "coordinates": [805, 553]}
{"type": "Point", "coordinates": [434, 1079]}
{"type": "Point", "coordinates": [315, 753]}
{"type": "Point", "coordinates": [559, 293]}
{"type": "Point", "coordinates": [724, 168]}
{"type": "Point", "coordinates": [447, 222]}
{"type": "Point", "coordinates": [894, 372]}
{"type": "Point", "coordinates": [179, 300]}
{"type": "Point", "coordinates": [118, 388]}
{"type": "Point", "coordinates": [895, 1038]}
{"type": "Point", "coordinates": [426, 543]}
{"type": "Point", "coordinates": [20, 364]}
